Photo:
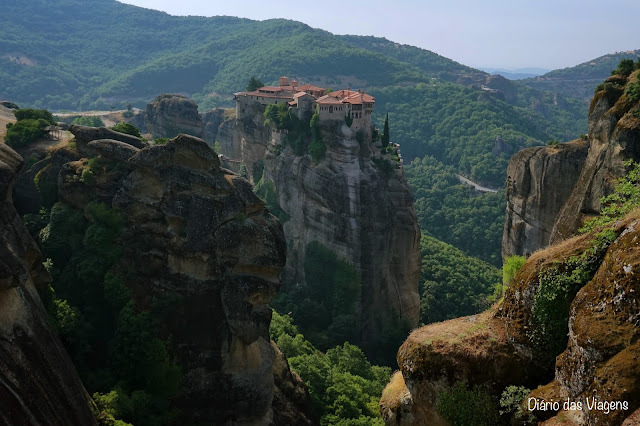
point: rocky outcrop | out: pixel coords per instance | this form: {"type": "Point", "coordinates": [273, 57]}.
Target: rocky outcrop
{"type": "Point", "coordinates": [360, 212]}
{"type": "Point", "coordinates": [38, 382]}
{"type": "Point", "coordinates": [569, 177]}
{"type": "Point", "coordinates": [169, 115]}
{"type": "Point", "coordinates": [86, 134]}
{"type": "Point", "coordinates": [539, 181]}
{"type": "Point", "coordinates": [211, 121]}
{"type": "Point", "coordinates": [614, 135]}
{"type": "Point", "coordinates": [195, 235]}
{"type": "Point", "coordinates": [568, 326]}
{"type": "Point", "coordinates": [501, 347]}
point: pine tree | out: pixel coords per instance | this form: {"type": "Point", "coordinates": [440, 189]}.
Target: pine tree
{"type": "Point", "coordinates": [254, 84]}
{"type": "Point", "coordinates": [385, 132]}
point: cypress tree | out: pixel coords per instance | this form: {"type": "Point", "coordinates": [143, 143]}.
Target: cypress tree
{"type": "Point", "coordinates": [385, 132]}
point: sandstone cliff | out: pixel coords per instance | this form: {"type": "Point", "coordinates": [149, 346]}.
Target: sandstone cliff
{"type": "Point", "coordinates": [196, 241]}
{"type": "Point", "coordinates": [568, 324]}
{"type": "Point", "coordinates": [539, 181]}
{"type": "Point", "coordinates": [360, 212]}
{"type": "Point", "coordinates": [595, 299]}
{"type": "Point", "coordinates": [38, 382]}
{"type": "Point", "coordinates": [169, 115]}
{"type": "Point", "coordinates": [553, 189]}
{"type": "Point", "coordinates": [349, 203]}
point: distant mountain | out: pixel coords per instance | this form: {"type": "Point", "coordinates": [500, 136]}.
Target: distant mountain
{"type": "Point", "coordinates": [95, 54]}
{"type": "Point", "coordinates": [579, 81]}
{"type": "Point", "coordinates": [518, 73]}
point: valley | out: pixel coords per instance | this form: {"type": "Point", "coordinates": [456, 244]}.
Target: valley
{"type": "Point", "coordinates": [264, 223]}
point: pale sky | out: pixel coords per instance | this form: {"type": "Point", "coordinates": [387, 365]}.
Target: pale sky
{"type": "Point", "coordinates": [491, 33]}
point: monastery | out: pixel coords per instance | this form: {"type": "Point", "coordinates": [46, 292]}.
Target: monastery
{"type": "Point", "coordinates": [304, 99]}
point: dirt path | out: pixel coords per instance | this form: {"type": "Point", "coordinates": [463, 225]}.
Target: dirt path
{"type": "Point", "coordinates": [6, 116]}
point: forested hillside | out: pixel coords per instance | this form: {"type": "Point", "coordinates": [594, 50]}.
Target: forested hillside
{"type": "Point", "coordinates": [99, 54]}
{"type": "Point", "coordinates": [579, 81]}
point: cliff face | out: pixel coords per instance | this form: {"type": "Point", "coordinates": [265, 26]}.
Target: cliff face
{"type": "Point", "coordinates": [568, 324]}
{"type": "Point", "coordinates": [347, 204]}
{"type": "Point", "coordinates": [169, 115]}
{"type": "Point", "coordinates": [359, 212]}
{"type": "Point", "coordinates": [553, 189]}
{"type": "Point", "coordinates": [539, 181]}
{"type": "Point", "coordinates": [38, 382]}
{"type": "Point", "coordinates": [515, 344]}
{"type": "Point", "coordinates": [198, 241]}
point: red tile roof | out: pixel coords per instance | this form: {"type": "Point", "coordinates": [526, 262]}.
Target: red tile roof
{"type": "Point", "coordinates": [326, 100]}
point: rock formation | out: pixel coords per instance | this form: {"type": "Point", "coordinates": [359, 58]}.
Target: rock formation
{"type": "Point", "coordinates": [38, 382]}
{"type": "Point", "coordinates": [348, 204]}
{"type": "Point", "coordinates": [169, 115]}
{"type": "Point", "coordinates": [196, 234]}
{"type": "Point", "coordinates": [361, 213]}
{"type": "Point", "coordinates": [568, 326]}
{"type": "Point", "coordinates": [539, 181]}
{"type": "Point", "coordinates": [553, 189]}
{"type": "Point", "coordinates": [501, 347]}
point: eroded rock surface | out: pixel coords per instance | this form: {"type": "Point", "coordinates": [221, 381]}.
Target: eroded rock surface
{"type": "Point", "coordinates": [539, 181]}
{"type": "Point", "coordinates": [38, 382]}
{"type": "Point", "coordinates": [196, 235]}
{"type": "Point", "coordinates": [168, 116]}
{"type": "Point", "coordinates": [554, 189]}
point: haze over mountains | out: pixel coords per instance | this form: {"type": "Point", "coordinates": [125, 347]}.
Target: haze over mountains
{"type": "Point", "coordinates": [99, 54]}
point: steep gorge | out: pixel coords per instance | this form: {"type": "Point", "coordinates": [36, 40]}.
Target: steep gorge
{"type": "Point", "coordinates": [568, 324]}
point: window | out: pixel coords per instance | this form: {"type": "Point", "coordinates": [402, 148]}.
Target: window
{"type": "Point", "coordinates": [330, 109]}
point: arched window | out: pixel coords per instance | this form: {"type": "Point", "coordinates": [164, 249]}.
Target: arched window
{"type": "Point", "coordinates": [330, 109]}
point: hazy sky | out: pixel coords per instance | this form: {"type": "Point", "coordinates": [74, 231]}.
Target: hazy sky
{"type": "Point", "coordinates": [491, 33]}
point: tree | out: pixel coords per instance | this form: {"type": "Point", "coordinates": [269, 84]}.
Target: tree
{"type": "Point", "coordinates": [127, 128]}
{"type": "Point", "coordinates": [625, 67]}
{"type": "Point", "coordinates": [385, 132]}
{"type": "Point", "coordinates": [254, 84]}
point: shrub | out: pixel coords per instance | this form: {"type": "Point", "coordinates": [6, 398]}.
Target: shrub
{"type": "Point", "coordinates": [127, 128]}
{"type": "Point", "coordinates": [24, 132]}
{"type": "Point", "coordinates": [625, 67]}
{"type": "Point", "coordinates": [317, 150]}
{"type": "Point", "coordinates": [625, 197]}
{"type": "Point", "coordinates": [464, 407]}
{"type": "Point", "coordinates": [34, 114]}
{"type": "Point", "coordinates": [160, 141]}
{"type": "Point", "coordinates": [510, 404]}
{"type": "Point", "coordinates": [512, 265]}
{"type": "Point", "coordinates": [633, 90]}
{"type": "Point", "coordinates": [558, 285]}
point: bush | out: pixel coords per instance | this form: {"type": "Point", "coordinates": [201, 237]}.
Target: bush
{"type": "Point", "coordinates": [512, 265]}
{"type": "Point", "coordinates": [510, 404]}
{"type": "Point", "coordinates": [24, 132]}
{"type": "Point", "coordinates": [558, 285]}
{"type": "Point", "coordinates": [91, 121]}
{"type": "Point", "coordinates": [317, 150]}
{"type": "Point", "coordinates": [625, 197]}
{"type": "Point", "coordinates": [34, 114]}
{"type": "Point", "coordinates": [625, 67]}
{"type": "Point", "coordinates": [464, 407]}
{"type": "Point", "coordinates": [127, 128]}
{"type": "Point", "coordinates": [633, 90]}
{"type": "Point", "coordinates": [160, 141]}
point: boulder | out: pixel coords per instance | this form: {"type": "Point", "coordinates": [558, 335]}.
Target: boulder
{"type": "Point", "coordinates": [86, 134]}
{"type": "Point", "coordinates": [112, 149]}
